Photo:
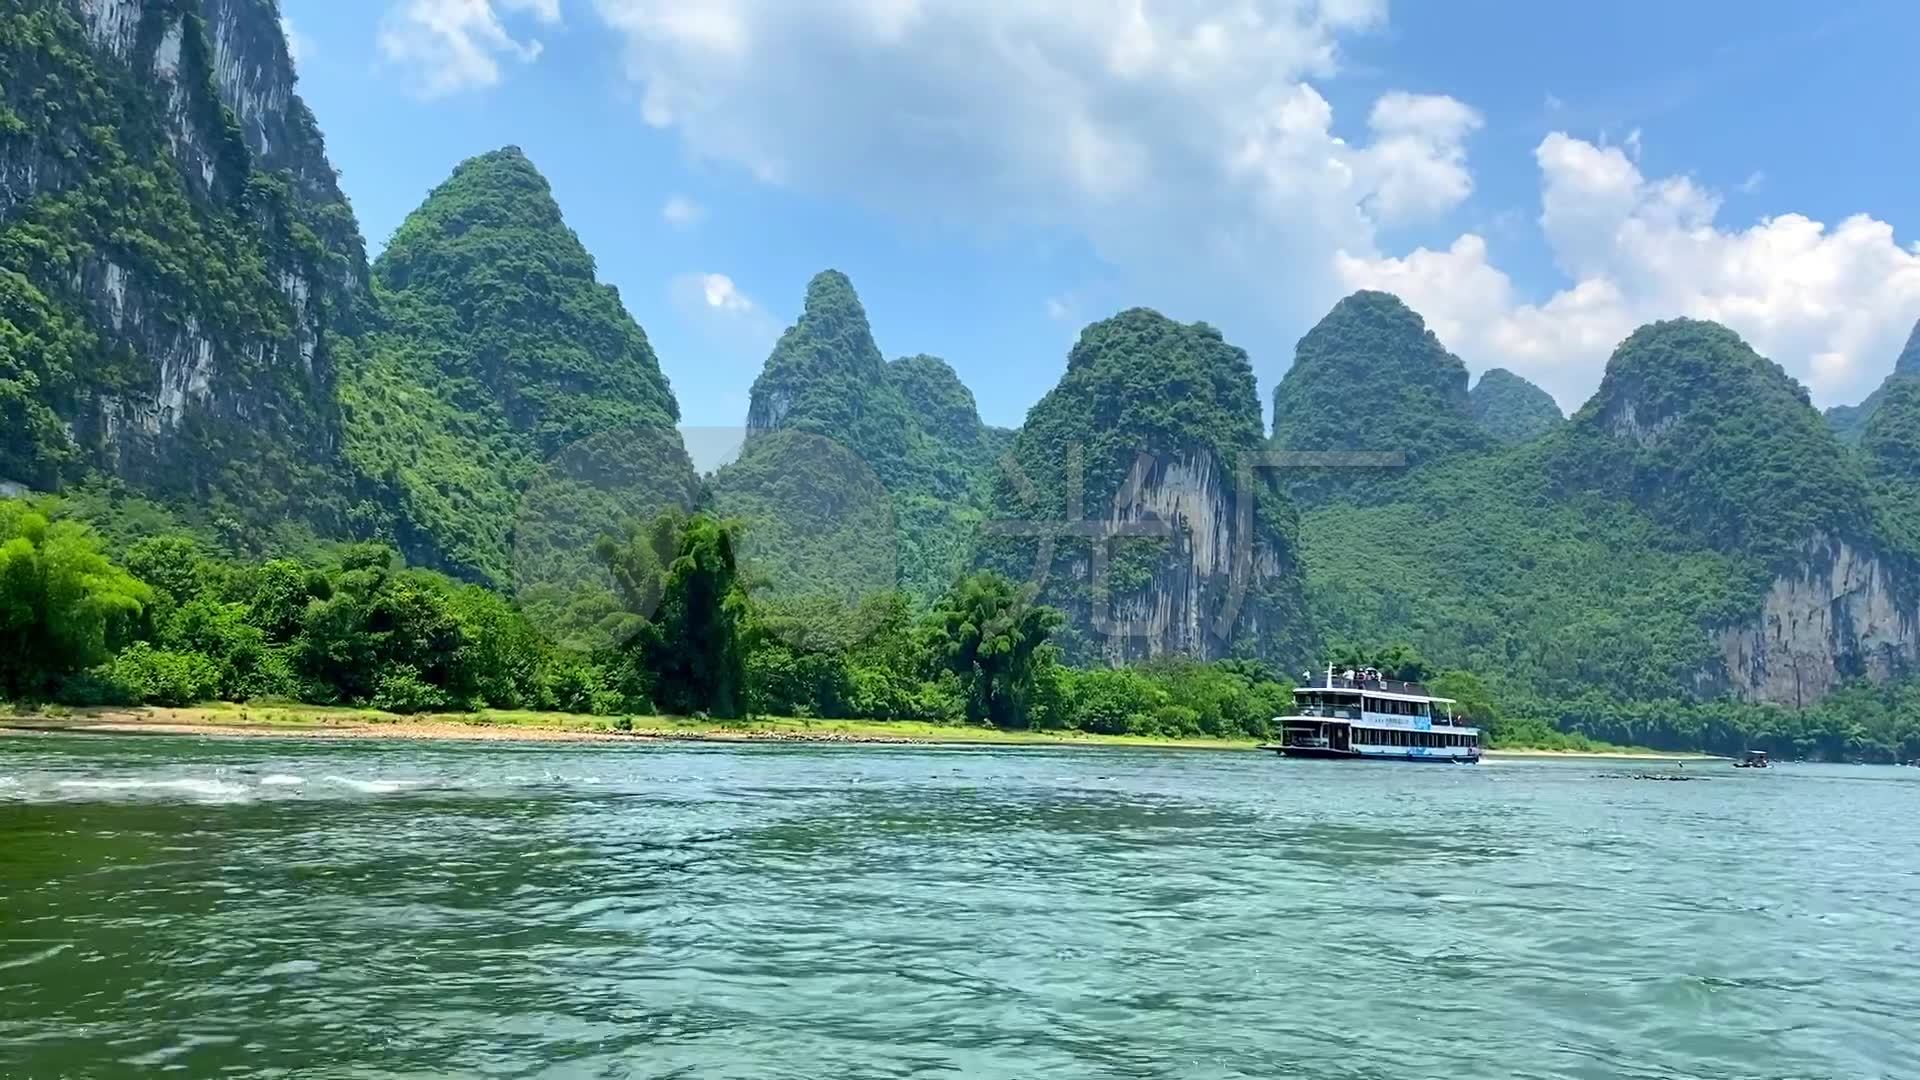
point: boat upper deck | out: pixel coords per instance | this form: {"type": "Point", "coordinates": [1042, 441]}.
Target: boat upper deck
{"type": "Point", "coordinates": [1378, 687]}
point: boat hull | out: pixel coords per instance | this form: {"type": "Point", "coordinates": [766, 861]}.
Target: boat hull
{"type": "Point", "coordinates": [1321, 752]}
{"type": "Point", "coordinates": [1327, 754]}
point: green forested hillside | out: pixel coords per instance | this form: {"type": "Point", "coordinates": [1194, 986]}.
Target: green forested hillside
{"type": "Point", "coordinates": [453, 479]}
{"type": "Point", "coordinates": [1715, 442]}
{"type": "Point", "coordinates": [1511, 409]}
{"type": "Point", "coordinates": [1371, 377]}
{"type": "Point", "coordinates": [496, 352]}
{"type": "Point", "coordinates": [1890, 445]}
{"type": "Point", "coordinates": [1583, 572]}
{"type": "Point", "coordinates": [900, 445]}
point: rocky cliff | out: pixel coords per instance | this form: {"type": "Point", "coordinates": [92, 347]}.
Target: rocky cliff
{"type": "Point", "coordinates": [1845, 612]}
{"type": "Point", "coordinates": [180, 257]}
{"type": "Point", "coordinates": [1138, 501]}
{"type": "Point", "coordinates": [1720, 446]}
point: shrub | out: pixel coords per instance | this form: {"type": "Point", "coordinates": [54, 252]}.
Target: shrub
{"type": "Point", "coordinates": [158, 677]}
{"type": "Point", "coordinates": [400, 689]}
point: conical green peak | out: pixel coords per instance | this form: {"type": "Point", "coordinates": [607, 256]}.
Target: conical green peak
{"type": "Point", "coordinates": [1678, 366]}
{"type": "Point", "coordinates": [824, 367]}
{"type": "Point", "coordinates": [1511, 409]}
{"type": "Point", "coordinates": [1371, 377]}
{"type": "Point", "coordinates": [490, 202]}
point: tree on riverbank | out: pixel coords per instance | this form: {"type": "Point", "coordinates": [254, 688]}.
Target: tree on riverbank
{"type": "Point", "coordinates": [173, 622]}
{"type": "Point", "coordinates": [64, 606]}
{"type": "Point", "coordinates": [688, 611]}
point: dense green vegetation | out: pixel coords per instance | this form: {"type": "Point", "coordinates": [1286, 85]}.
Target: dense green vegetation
{"type": "Point", "coordinates": [1371, 377]}
{"type": "Point", "coordinates": [1511, 409]}
{"type": "Point", "coordinates": [174, 623]}
{"type": "Point", "coordinates": [1581, 573]}
{"type": "Point", "coordinates": [858, 474]}
{"type": "Point", "coordinates": [500, 361]}
{"type": "Point", "coordinates": [1716, 443]}
{"type": "Point", "coordinates": [1849, 422]}
{"type": "Point", "coordinates": [453, 481]}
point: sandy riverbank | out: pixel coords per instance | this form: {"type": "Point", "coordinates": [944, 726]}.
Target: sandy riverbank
{"type": "Point", "coordinates": [297, 721]}
{"type": "Point", "coordinates": [309, 721]}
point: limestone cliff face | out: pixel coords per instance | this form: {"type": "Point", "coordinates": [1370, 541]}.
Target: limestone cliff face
{"type": "Point", "coordinates": [1179, 565]}
{"type": "Point", "coordinates": [1720, 448]}
{"type": "Point", "coordinates": [206, 271]}
{"type": "Point", "coordinates": [1135, 497]}
{"type": "Point", "coordinates": [1847, 613]}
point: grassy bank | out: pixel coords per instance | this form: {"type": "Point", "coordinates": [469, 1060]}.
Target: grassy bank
{"type": "Point", "coordinates": [221, 718]}
{"type": "Point", "coordinates": [323, 721]}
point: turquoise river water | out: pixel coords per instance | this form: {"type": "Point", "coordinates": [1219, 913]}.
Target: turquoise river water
{"type": "Point", "coordinates": [209, 908]}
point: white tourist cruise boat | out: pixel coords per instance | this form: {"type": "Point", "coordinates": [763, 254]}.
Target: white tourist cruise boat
{"type": "Point", "coordinates": [1359, 715]}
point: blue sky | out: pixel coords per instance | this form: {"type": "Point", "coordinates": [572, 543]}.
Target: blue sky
{"type": "Point", "coordinates": [1536, 179]}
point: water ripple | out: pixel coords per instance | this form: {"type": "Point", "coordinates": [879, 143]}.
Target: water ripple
{"type": "Point", "coordinates": [350, 910]}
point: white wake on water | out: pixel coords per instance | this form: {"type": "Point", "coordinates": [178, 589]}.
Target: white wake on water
{"type": "Point", "coordinates": [209, 789]}
{"type": "Point", "coordinates": [280, 780]}
{"type": "Point", "coordinates": [373, 787]}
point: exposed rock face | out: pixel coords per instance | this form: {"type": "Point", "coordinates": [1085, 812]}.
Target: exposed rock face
{"type": "Point", "coordinates": [1846, 613]}
{"type": "Point", "coordinates": [206, 273]}
{"type": "Point", "coordinates": [1212, 574]}
{"type": "Point", "coordinates": [1720, 447]}
{"type": "Point", "coordinates": [1138, 500]}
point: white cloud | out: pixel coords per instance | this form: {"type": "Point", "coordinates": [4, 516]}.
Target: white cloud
{"type": "Point", "coordinates": [716, 300]}
{"type": "Point", "coordinates": [448, 46]}
{"type": "Point", "coordinates": [718, 292]}
{"type": "Point", "coordinates": [1831, 304]}
{"type": "Point", "coordinates": [299, 47]}
{"type": "Point", "coordinates": [1418, 159]}
{"type": "Point", "coordinates": [682, 212]}
{"type": "Point", "coordinates": [737, 328]}
{"type": "Point", "coordinates": [1182, 138]}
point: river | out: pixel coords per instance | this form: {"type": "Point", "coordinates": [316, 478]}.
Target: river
{"type": "Point", "coordinates": [386, 909]}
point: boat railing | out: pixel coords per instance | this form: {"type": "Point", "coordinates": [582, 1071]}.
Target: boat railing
{"type": "Point", "coordinates": [1386, 686]}
{"type": "Point", "coordinates": [1328, 712]}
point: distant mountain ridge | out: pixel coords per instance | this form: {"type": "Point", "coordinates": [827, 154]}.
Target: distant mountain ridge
{"type": "Point", "coordinates": [187, 315]}
{"type": "Point", "coordinates": [1511, 409]}
{"type": "Point", "coordinates": [905, 435]}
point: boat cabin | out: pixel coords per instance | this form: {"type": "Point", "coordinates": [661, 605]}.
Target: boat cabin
{"type": "Point", "coordinates": [1361, 714]}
